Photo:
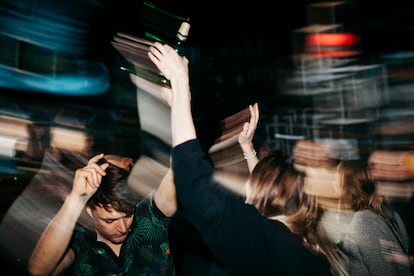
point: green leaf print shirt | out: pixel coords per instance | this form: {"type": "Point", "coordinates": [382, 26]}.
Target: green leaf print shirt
{"type": "Point", "coordinates": [145, 252]}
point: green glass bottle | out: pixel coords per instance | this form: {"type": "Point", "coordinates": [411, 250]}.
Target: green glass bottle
{"type": "Point", "coordinates": [139, 64]}
{"type": "Point", "coordinates": [182, 36]}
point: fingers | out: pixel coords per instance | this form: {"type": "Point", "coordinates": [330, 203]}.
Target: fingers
{"type": "Point", "coordinates": [153, 56]}
{"type": "Point", "coordinates": [254, 117]}
{"type": "Point", "coordinates": [93, 173]}
{"type": "Point", "coordinates": [100, 168]}
{"type": "Point", "coordinates": [254, 113]}
{"type": "Point", "coordinates": [92, 177]}
{"type": "Point", "coordinates": [249, 128]}
{"type": "Point", "coordinates": [158, 50]}
{"type": "Point", "coordinates": [156, 54]}
{"type": "Point", "coordinates": [88, 179]}
{"type": "Point", "coordinates": [96, 158]}
{"type": "Point", "coordinates": [168, 61]}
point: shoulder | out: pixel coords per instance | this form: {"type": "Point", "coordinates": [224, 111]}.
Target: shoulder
{"type": "Point", "coordinates": [366, 222]}
{"type": "Point", "coordinates": [147, 208]}
{"type": "Point", "coordinates": [364, 216]}
{"type": "Point", "coordinates": [81, 233]}
{"type": "Point", "coordinates": [82, 238]}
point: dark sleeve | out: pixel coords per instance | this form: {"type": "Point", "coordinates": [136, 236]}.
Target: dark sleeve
{"type": "Point", "coordinates": [228, 226]}
{"type": "Point", "coordinates": [245, 242]}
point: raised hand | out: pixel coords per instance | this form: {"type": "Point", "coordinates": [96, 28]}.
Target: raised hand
{"type": "Point", "coordinates": [173, 66]}
{"type": "Point", "coordinates": [88, 179]}
{"type": "Point", "coordinates": [245, 138]}
{"type": "Point", "coordinates": [168, 61]}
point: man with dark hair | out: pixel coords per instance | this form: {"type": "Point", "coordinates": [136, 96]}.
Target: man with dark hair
{"type": "Point", "coordinates": [129, 238]}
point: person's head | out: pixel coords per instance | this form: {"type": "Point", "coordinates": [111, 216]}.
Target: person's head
{"type": "Point", "coordinates": [112, 206]}
{"type": "Point", "coordinates": [355, 188]}
{"type": "Point", "coordinates": [276, 188]}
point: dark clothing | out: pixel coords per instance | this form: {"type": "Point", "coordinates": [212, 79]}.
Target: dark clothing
{"type": "Point", "coordinates": [145, 252]}
{"type": "Point", "coordinates": [191, 255]}
{"type": "Point", "coordinates": [245, 242]}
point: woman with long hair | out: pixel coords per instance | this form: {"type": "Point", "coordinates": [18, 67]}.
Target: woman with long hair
{"type": "Point", "coordinates": [376, 232]}
{"type": "Point", "coordinates": [242, 239]}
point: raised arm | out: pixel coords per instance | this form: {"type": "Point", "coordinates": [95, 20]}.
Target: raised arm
{"type": "Point", "coordinates": [215, 214]}
{"type": "Point", "coordinates": [245, 138]}
{"type": "Point", "coordinates": [51, 254]}
{"type": "Point", "coordinates": [182, 125]}
{"type": "Point", "coordinates": [182, 129]}
{"type": "Point", "coordinates": [165, 196]}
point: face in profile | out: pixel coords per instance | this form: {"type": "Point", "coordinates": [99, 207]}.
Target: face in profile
{"type": "Point", "coordinates": [110, 225]}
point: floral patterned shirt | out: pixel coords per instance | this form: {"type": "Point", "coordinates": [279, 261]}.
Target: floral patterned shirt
{"type": "Point", "coordinates": [145, 252]}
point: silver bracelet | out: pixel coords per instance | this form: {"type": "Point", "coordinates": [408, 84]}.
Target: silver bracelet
{"type": "Point", "coordinates": [249, 155]}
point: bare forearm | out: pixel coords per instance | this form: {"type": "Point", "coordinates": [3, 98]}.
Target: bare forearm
{"type": "Point", "coordinates": [181, 116]}
{"type": "Point", "coordinates": [54, 241]}
{"type": "Point", "coordinates": [165, 196]}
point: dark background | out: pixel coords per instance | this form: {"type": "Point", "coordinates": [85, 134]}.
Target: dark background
{"type": "Point", "coordinates": [226, 39]}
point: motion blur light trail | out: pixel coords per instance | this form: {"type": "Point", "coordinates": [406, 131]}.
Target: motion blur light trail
{"type": "Point", "coordinates": [35, 56]}
{"type": "Point", "coordinates": [91, 78]}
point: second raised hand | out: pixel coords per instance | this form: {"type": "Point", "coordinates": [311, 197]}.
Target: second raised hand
{"type": "Point", "coordinates": [249, 128]}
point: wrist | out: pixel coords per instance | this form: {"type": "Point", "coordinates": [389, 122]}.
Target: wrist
{"type": "Point", "coordinates": [76, 201]}
{"type": "Point", "coordinates": [72, 207]}
{"type": "Point", "coordinates": [246, 146]}
{"type": "Point", "coordinates": [249, 154]}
